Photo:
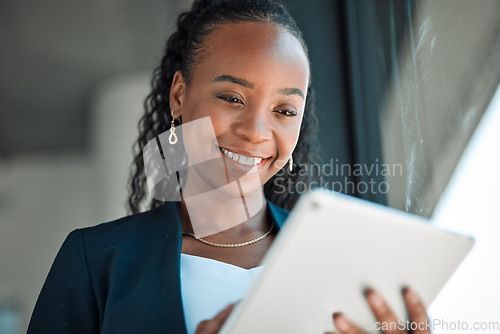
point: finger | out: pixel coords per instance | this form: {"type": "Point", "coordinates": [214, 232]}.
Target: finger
{"type": "Point", "coordinates": [206, 327]}
{"type": "Point", "coordinates": [388, 322]}
{"type": "Point", "coordinates": [222, 316]}
{"type": "Point", "coordinates": [213, 326]}
{"type": "Point", "coordinates": [344, 326]}
{"type": "Point", "coordinates": [416, 312]}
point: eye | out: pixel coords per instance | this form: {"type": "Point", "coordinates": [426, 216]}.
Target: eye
{"type": "Point", "coordinates": [231, 99]}
{"type": "Point", "coordinates": [287, 112]}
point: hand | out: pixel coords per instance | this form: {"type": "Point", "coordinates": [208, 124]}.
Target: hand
{"type": "Point", "coordinates": [385, 317]}
{"type": "Point", "coordinates": [213, 326]}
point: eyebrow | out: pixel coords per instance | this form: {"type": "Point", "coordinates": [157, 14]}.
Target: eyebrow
{"type": "Point", "coordinates": [291, 91]}
{"type": "Point", "coordinates": [230, 78]}
{"type": "Point", "coordinates": [248, 84]}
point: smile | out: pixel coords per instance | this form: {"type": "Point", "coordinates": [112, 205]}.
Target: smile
{"type": "Point", "coordinates": [242, 159]}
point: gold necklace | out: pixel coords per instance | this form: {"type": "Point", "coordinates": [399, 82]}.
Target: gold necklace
{"type": "Point", "coordinates": [241, 244]}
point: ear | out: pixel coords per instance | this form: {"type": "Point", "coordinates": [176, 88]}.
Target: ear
{"type": "Point", "coordinates": [177, 93]}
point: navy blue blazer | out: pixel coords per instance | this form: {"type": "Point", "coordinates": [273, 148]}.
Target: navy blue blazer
{"type": "Point", "coordinates": [119, 277]}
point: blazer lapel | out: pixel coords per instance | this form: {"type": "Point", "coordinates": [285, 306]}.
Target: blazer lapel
{"type": "Point", "coordinates": [279, 215]}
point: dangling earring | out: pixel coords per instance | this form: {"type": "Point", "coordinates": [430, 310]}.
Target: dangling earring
{"type": "Point", "coordinates": [172, 139]}
{"type": "Point", "coordinates": [290, 164]}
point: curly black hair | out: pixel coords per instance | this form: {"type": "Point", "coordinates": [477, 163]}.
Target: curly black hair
{"type": "Point", "coordinates": [182, 52]}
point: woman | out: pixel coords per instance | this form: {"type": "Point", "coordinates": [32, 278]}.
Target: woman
{"type": "Point", "coordinates": [243, 65]}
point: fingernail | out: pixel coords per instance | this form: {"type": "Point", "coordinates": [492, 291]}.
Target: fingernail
{"type": "Point", "coordinates": [375, 299]}
{"type": "Point", "coordinates": [341, 323]}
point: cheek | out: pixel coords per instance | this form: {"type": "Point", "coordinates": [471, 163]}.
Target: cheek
{"type": "Point", "coordinates": [200, 109]}
{"type": "Point", "coordinates": [220, 122]}
{"type": "Point", "coordinates": [285, 145]}
{"type": "Point", "coordinates": [193, 110]}
{"type": "Point", "coordinates": [291, 137]}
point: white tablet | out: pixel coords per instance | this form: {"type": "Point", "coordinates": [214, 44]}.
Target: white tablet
{"type": "Point", "coordinates": [330, 250]}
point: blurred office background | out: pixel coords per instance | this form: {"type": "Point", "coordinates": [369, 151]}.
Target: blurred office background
{"type": "Point", "coordinates": [409, 83]}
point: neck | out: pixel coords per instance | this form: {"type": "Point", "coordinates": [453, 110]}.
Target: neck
{"type": "Point", "coordinates": [215, 204]}
{"type": "Point", "coordinates": [215, 212]}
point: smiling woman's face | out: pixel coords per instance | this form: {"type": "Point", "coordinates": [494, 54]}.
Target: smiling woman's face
{"type": "Point", "coordinates": [252, 81]}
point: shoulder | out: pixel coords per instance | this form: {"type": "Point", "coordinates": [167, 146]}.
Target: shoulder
{"type": "Point", "coordinates": [131, 231]}
{"type": "Point", "coordinates": [124, 225]}
{"type": "Point", "coordinates": [106, 262]}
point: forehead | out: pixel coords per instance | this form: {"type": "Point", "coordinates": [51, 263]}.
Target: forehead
{"type": "Point", "coordinates": [255, 50]}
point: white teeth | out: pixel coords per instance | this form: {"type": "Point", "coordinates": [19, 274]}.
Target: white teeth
{"type": "Point", "coordinates": [244, 160]}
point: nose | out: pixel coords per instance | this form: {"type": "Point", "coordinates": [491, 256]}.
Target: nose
{"type": "Point", "coordinates": [254, 126]}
